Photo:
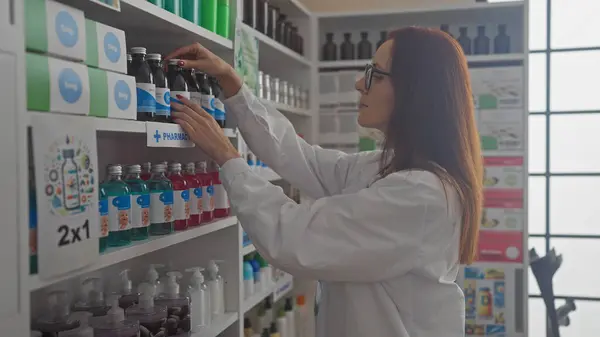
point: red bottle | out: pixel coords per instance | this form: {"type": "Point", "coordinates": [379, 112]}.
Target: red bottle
{"type": "Point", "coordinates": [195, 188]}
{"type": "Point", "coordinates": [208, 203]}
{"type": "Point", "coordinates": [181, 197]}
{"type": "Point", "coordinates": [146, 171]}
{"type": "Point", "coordinates": [221, 200]}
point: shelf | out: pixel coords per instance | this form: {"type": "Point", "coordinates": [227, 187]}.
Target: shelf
{"type": "Point", "coordinates": [217, 325]}
{"type": "Point", "coordinates": [116, 255]}
{"type": "Point", "coordinates": [248, 249]}
{"type": "Point", "coordinates": [284, 108]}
{"type": "Point", "coordinates": [150, 26]}
{"type": "Point", "coordinates": [283, 287]}
{"type": "Point", "coordinates": [360, 64]}
{"type": "Point", "coordinates": [280, 289]}
{"type": "Point", "coordinates": [271, 52]}
{"type": "Point", "coordinates": [291, 8]}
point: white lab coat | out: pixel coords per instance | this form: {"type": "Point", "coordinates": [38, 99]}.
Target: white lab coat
{"type": "Point", "coordinates": [385, 251]}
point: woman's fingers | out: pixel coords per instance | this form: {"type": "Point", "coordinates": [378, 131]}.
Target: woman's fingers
{"type": "Point", "coordinates": [195, 49]}
{"type": "Point", "coordinates": [199, 111]}
{"type": "Point", "coordinates": [187, 127]}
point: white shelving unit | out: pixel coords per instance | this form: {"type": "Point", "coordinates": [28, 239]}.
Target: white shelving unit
{"type": "Point", "coordinates": [360, 64]}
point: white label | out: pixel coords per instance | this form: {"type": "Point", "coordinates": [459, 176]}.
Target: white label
{"type": "Point", "coordinates": [66, 173]}
{"type": "Point", "coordinates": [140, 210]}
{"type": "Point", "coordinates": [111, 48]}
{"type": "Point", "coordinates": [174, 95]}
{"type": "Point", "coordinates": [207, 104]}
{"type": "Point", "coordinates": [122, 100]}
{"type": "Point", "coordinates": [163, 102]}
{"type": "Point", "coordinates": [221, 201]}
{"type": "Point", "coordinates": [166, 135]}
{"type": "Point", "coordinates": [146, 97]}
{"type": "Point", "coordinates": [196, 97]}
{"type": "Point", "coordinates": [69, 87]}
{"type": "Point", "coordinates": [161, 207]}
{"type": "Point", "coordinates": [119, 213]}
{"type": "Point", "coordinates": [65, 27]}
{"type": "Point", "coordinates": [195, 200]}
{"type": "Point", "coordinates": [103, 210]}
{"type": "Point", "coordinates": [208, 201]}
{"type": "Point", "coordinates": [181, 205]}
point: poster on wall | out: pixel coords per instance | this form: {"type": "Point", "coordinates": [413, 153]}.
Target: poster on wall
{"type": "Point", "coordinates": [494, 246]}
{"type": "Point", "coordinates": [501, 130]}
{"type": "Point", "coordinates": [504, 178]}
{"type": "Point", "coordinates": [494, 300]}
{"type": "Point", "coordinates": [498, 87]}
{"type": "Point", "coordinates": [245, 56]}
{"type": "Point", "coordinates": [503, 215]}
{"type": "Point", "coordinates": [66, 180]}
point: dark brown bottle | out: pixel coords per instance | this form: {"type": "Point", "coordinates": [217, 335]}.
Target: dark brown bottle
{"type": "Point", "coordinates": [329, 49]}
{"type": "Point", "coordinates": [295, 38]}
{"type": "Point", "coordinates": [280, 28]}
{"type": "Point", "coordinates": [272, 15]}
{"type": "Point", "coordinates": [287, 34]}
{"type": "Point", "coordinates": [383, 36]}
{"type": "Point", "coordinates": [446, 29]}
{"type": "Point", "coordinates": [347, 48]}
{"type": "Point", "coordinates": [300, 44]}
{"type": "Point", "coordinates": [249, 12]}
{"type": "Point", "coordinates": [502, 41]}
{"type": "Point", "coordinates": [365, 49]}
{"type": "Point", "coordinates": [464, 41]}
{"type": "Point", "coordinates": [260, 18]}
{"type": "Point", "coordinates": [482, 42]}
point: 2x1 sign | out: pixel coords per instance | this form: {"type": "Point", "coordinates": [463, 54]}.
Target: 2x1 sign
{"type": "Point", "coordinates": [166, 135]}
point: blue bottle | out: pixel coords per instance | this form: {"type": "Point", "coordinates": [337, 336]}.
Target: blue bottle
{"type": "Point", "coordinates": [119, 207]}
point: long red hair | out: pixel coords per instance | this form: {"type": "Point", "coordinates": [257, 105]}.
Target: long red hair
{"type": "Point", "coordinates": [433, 124]}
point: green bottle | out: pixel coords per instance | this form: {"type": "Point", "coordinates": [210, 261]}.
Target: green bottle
{"type": "Point", "coordinates": [209, 15]}
{"type": "Point", "coordinates": [140, 203]}
{"type": "Point", "coordinates": [103, 210]}
{"type": "Point", "coordinates": [173, 6]}
{"type": "Point", "coordinates": [119, 207]}
{"type": "Point", "coordinates": [158, 3]}
{"type": "Point", "coordinates": [223, 18]}
{"type": "Point", "coordinates": [190, 11]}
{"type": "Point", "coordinates": [161, 201]}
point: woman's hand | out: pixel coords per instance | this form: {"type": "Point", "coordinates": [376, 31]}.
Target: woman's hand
{"type": "Point", "coordinates": [195, 56]}
{"type": "Point", "coordinates": [203, 130]}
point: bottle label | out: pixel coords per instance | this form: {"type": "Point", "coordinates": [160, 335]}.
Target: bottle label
{"type": "Point", "coordinates": [196, 200]}
{"type": "Point", "coordinates": [208, 203]}
{"type": "Point", "coordinates": [219, 108]}
{"type": "Point", "coordinates": [174, 95]}
{"type": "Point", "coordinates": [196, 97]}
{"type": "Point", "coordinates": [207, 104]}
{"type": "Point", "coordinates": [146, 97]}
{"type": "Point", "coordinates": [181, 205]}
{"type": "Point", "coordinates": [140, 210]}
{"type": "Point", "coordinates": [163, 102]}
{"type": "Point", "coordinates": [161, 207]}
{"type": "Point", "coordinates": [221, 201]}
{"type": "Point", "coordinates": [119, 213]}
{"type": "Point", "coordinates": [104, 223]}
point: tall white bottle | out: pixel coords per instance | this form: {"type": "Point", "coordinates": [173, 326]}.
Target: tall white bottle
{"type": "Point", "coordinates": [200, 310]}
{"type": "Point", "coordinates": [216, 288]}
{"type": "Point", "coordinates": [290, 317]}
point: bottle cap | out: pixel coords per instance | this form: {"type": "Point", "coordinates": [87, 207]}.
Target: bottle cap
{"type": "Point", "coordinates": [129, 58]}
{"type": "Point", "coordinates": [173, 62]}
{"type": "Point", "coordinates": [126, 285]}
{"type": "Point", "coordinates": [289, 304]}
{"type": "Point", "coordinates": [268, 303]}
{"type": "Point", "coordinates": [273, 328]}
{"type": "Point", "coordinates": [190, 167]}
{"type": "Point", "coordinates": [138, 50]}
{"type": "Point", "coordinates": [147, 166]}
{"type": "Point", "coordinates": [134, 169]}
{"type": "Point", "coordinates": [159, 168]}
{"type": "Point", "coordinates": [300, 300]}
{"type": "Point", "coordinates": [213, 268]}
{"type": "Point", "coordinates": [115, 314]}
{"type": "Point", "coordinates": [201, 167]}
{"type": "Point", "coordinates": [92, 292]}
{"type": "Point", "coordinates": [197, 278]}
{"type": "Point", "coordinates": [247, 323]}
{"type": "Point", "coordinates": [156, 57]}
{"type": "Point", "coordinates": [152, 275]}
{"type": "Point", "coordinates": [115, 169]}
{"type": "Point", "coordinates": [175, 167]}
{"type": "Point", "coordinates": [147, 293]}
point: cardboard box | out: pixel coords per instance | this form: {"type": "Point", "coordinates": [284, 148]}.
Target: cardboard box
{"type": "Point", "coordinates": [106, 48]}
{"type": "Point", "coordinates": [498, 87]}
{"type": "Point", "coordinates": [56, 85]}
{"type": "Point", "coordinates": [113, 95]}
{"type": "Point", "coordinates": [55, 29]}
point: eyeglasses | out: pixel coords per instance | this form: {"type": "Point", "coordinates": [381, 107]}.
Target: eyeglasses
{"type": "Point", "coordinates": [369, 71]}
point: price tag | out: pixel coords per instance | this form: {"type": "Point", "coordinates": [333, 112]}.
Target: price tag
{"type": "Point", "coordinates": [66, 179]}
{"type": "Point", "coordinates": [166, 135]}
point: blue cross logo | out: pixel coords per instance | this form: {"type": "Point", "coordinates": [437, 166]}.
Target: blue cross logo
{"type": "Point", "coordinates": [157, 136]}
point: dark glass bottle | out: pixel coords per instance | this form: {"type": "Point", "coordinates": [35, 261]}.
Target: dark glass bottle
{"type": "Point", "coordinates": [163, 93]}
{"type": "Point", "coordinates": [502, 41]}
{"type": "Point", "coordinates": [365, 49]}
{"type": "Point", "coordinates": [446, 29]}
{"type": "Point", "coordinates": [329, 48]}
{"type": "Point", "coordinates": [129, 59]}
{"type": "Point", "coordinates": [383, 36]}
{"type": "Point", "coordinates": [300, 44]}
{"type": "Point", "coordinates": [218, 106]}
{"type": "Point", "coordinates": [144, 81]}
{"type": "Point", "coordinates": [465, 41]}
{"type": "Point", "coordinates": [249, 12]}
{"type": "Point", "coordinates": [347, 48]}
{"type": "Point", "coordinates": [206, 90]}
{"type": "Point", "coordinates": [280, 28]}
{"type": "Point", "coordinates": [272, 15]}
{"type": "Point", "coordinates": [293, 38]}
{"type": "Point", "coordinates": [287, 34]}
{"type": "Point", "coordinates": [176, 80]}
{"type": "Point", "coordinates": [260, 15]}
{"type": "Point", "coordinates": [482, 42]}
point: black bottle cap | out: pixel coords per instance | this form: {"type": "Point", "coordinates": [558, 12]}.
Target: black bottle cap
{"type": "Point", "coordinates": [463, 30]}
{"type": "Point", "coordinates": [502, 27]}
{"type": "Point", "coordinates": [247, 323]}
{"type": "Point", "coordinates": [347, 35]}
{"type": "Point", "coordinates": [364, 35]}
{"type": "Point", "coordinates": [481, 29]}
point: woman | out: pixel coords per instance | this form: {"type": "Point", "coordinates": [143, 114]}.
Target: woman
{"type": "Point", "coordinates": [389, 228]}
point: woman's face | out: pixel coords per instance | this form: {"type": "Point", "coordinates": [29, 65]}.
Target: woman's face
{"type": "Point", "coordinates": [376, 103]}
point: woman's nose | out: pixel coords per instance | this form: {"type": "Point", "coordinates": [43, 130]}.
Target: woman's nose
{"type": "Point", "coordinates": [359, 85]}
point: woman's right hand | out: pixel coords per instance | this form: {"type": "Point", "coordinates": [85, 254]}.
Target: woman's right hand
{"type": "Point", "coordinates": [195, 56]}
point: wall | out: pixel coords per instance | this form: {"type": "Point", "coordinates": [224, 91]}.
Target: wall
{"type": "Point", "coordinates": [376, 5]}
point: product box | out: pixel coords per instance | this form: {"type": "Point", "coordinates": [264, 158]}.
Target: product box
{"type": "Point", "coordinates": [503, 178]}
{"type": "Point", "coordinates": [500, 247]}
{"type": "Point", "coordinates": [498, 87]}
{"type": "Point", "coordinates": [503, 215]}
{"type": "Point", "coordinates": [113, 95]}
{"type": "Point", "coordinates": [106, 48]}
{"type": "Point", "coordinates": [55, 29]}
{"type": "Point", "coordinates": [57, 85]}
{"type": "Point", "coordinates": [501, 130]}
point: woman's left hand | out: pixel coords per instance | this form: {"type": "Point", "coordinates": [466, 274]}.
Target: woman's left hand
{"type": "Point", "coordinates": [203, 130]}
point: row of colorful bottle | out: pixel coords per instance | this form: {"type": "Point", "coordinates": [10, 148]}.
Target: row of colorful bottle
{"type": "Point", "coordinates": [481, 44]}
{"type": "Point", "coordinates": [155, 89]}
{"type": "Point", "coordinates": [348, 51]}
{"type": "Point", "coordinates": [149, 201]}
{"type": "Point", "coordinates": [257, 274]}
{"type": "Point", "coordinates": [268, 19]}
{"type": "Point", "coordinates": [210, 14]}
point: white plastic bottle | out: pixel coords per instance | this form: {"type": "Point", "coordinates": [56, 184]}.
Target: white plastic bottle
{"type": "Point", "coordinates": [282, 324]}
{"type": "Point", "coordinates": [152, 277]}
{"type": "Point", "coordinates": [302, 316]}
{"type": "Point", "coordinates": [290, 317]}
{"type": "Point", "coordinates": [248, 275]}
{"type": "Point", "coordinates": [216, 288]}
{"type": "Point", "coordinates": [199, 294]}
